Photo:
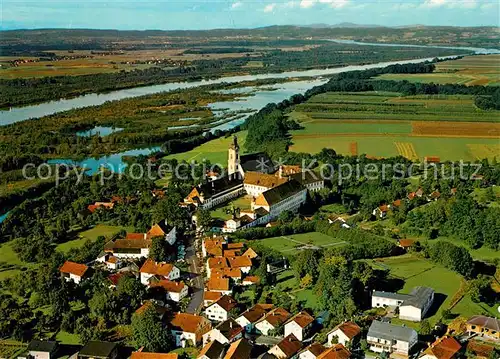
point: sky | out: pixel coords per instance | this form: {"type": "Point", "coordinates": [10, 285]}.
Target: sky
{"type": "Point", "coordinates": [210, 14]}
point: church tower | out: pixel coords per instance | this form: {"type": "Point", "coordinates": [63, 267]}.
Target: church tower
{"type": "Point", "coordinates": [233, 160]}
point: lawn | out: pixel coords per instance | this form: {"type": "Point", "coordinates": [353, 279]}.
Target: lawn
{"type": "Point", "coordinates": [417, 271]}
{"type": "Point", "coordinates": [291, 243]}
{"type": "Point", "coordinates": [286, 280]}
{"type": "Point", "coordinates": [223, 211]}
{"type": "Point", "coordinates": [387, 125]}
{"type": "Point", "coordinates": [190, 352]}
{"type": "Point", "coordinates": [10, 264]}
{"type": "Point", "coordinates": [68, 338]}
{"type": "Point", "coordinates": [91, 234]}
{"type": "Point", "coordinates": [214, 151]}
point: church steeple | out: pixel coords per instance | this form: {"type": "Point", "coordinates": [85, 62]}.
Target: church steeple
{"type": "Point", "coordinates": [233, 159]}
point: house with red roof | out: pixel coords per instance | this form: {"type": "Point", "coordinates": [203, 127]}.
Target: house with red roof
{"type": "Point", "coordinates": [272, 321]}
{"type": "Point", "coordinates": [312, 351]}
{"type": "Point", "coordinates": [188, 329]}
{"type": "Point", "coordinates": [220, 310]}
{"type": "Point", "coordinates": [443, 348]}
{"type": "Point", "coordinates": [174, 291]}
{"type": "Point", "coordinates": [72, 271]}
{"type": "Point", "coordinates": [152, 270]}
{"type": "Point", "coordinates": [226, 332]}
{"type": "Point", "coordinates": [344, 333]}
{"type": "Point", "coordinates": [286, 348]}
{"type": "Point", "coordinates": [299, 325]}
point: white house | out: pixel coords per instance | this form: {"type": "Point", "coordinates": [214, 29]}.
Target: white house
{"type": "Point", "coordinates": [72, 271]}
{"type": "Point", "coordinates": [40, 349]}
{"type": "Point", "coordinates": [163, 229]}
{"type": "Point", "coordinates": [344, 333]}
{"type": "Point", "coordinates": [412, 306]}
{"type": "Point", "coordinates": [299, 325]}
{"type": "Point", "coordinates": [219, 310]}
{"type": "Point", "coordinates": [161, 270]}
{"type": "Point", "coordinates": [129, 248]}
{"type": "Point", "coordinates": [251, 316]}
{"type": "Point", "coordinates": [287, 348]}
{"type": "Point", "coordinates": [188, 329]}
{"type": "Point", "coordinates": [442, 348]}
{"type": "Point", "coordinates": [386, 337]}
{"type": "Point", "coordinates": [174, 291]}
{"type": "Point", "coordinates": [415, 307]}
{"type": "Point", "coordinates": [272, 321]}
{"type": "Point", "coordinates": [387, 299]}
{"type": "Point", "coordinates": [312, 351]}
{"type": "Point", "coordinates": [226, 332]}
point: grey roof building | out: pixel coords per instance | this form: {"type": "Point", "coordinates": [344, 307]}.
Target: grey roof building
{"type": "Point", "coordinates": [99, 350]}
{"type": "Point", "coordinates": [386, 337]}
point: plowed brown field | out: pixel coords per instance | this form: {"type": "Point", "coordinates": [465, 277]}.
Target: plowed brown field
{"type": "Point", "coordinates": [456, 129]}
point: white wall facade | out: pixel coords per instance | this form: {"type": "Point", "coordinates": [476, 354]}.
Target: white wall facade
{"type": "Point", "coordinates": [295, 329]}
{"type": "Point", "coordinates": [177, 297]}
{"type": "Point", "coordinates": [216, 313]}
{"type": "Point", "coordinates": [182, 338]}
{"type": "Point", "coordinates": [385, 302]}
{"type": "Point", "coordinates": [342, 338]}
{"type": "Point", "coordinates": [264, 327]}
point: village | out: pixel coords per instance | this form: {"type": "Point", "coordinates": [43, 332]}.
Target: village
{"type": "Point", "coordinates": [194, 294]}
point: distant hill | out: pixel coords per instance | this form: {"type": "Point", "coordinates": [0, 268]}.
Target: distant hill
{"type": "Point", "coordinates": [349, 25]}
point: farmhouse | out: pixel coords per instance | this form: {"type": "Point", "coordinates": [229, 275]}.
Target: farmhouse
{"type": "Point", "coordinates": [386, 337]}
{"type": "Point", "coordinates": [219, 310]}
{"type": "Point", "coordinates": [286, 348]}
{"type": "Point", "coordinates": [344, 333]}
{"type": "Point", "coordinates": [152, 270]}
{"type": "Point", "coordinates": [188, 329]}
{"type": "Point", "coordinates": [72, 271]}
{"type": "Point", "coordinates": [128, 248]}
{"type": "Point", "coordinates": [299, 325]}
{"type": "Point", "coordinates": [387, 299]}
{"type": "Point", "coordinates": [226, 332]}
{"type": "Point", "coordinates": [484, 326]}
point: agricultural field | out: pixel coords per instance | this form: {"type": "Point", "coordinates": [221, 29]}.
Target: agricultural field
{"type": "Point", "coordinates": [10, 264]}
{"type": "Point", "coordinates": [214, 151]}
{"type": "Point", "coordinates": [92, 235]}
{"type": "Point", "coordinates": [290, 244]}
{"type": "Point", "coordinates": [448, 285]}
{"type": "Point", "coordinates": [481, 70]}
{"type": "Point", "coordinates": [382, 124]}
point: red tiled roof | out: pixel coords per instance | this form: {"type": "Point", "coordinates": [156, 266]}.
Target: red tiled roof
{"type": "Point", "coordinates": [73, 268]}
{"type": "Point", "coordinates": [236, 245]}
{"type": "Point", "coordinates": [230, 329]}
{"type": "Point", "coordinates": [405, 243]}
{"type": "Point", "coordinates": [250, 253]}
{"type": "Point", "coordinates": [218, 284]}
{"type": "Point", "coordinates": [211, 296]}
{"type": "Point", "coordinates": [338, 351]}
{"type": "Point", "coordinates": [252, 279]}
{"type": "Point", "coordinates": [240, 349]}
{"type": "Point", "coordinates": [239, 262]}
{"type": "Point", "coordinates": [149, 304]}
{"type": "Point", "coordinates": [115, 278]}
{"type": "Point", "coordinates": [277, 316]}
{"type": "Point", "coordinates": [290, 345]}
{"type": "Point", "coordinates": [315, 348]}
{"type": "Point", "coordinates": [257, 312]}
{"type": "Point", "coordinates": [217, 263]}
{"type": "Point", "coordinates": [189, 323]}
{"type": "Point", "coordinates": [303, 319]}
{"type": "Point", "coordinates": [169, 286]}
{"type": "Point", "coordinates": [135, 236]}
{"type": "Point", "coordinates": [350, 329]}
{"type": "Point", "coordinates": [396, 203]}
{"type": "Point", "coordinates": [152, 267]}
{"type": "Point", "coordinates": [212, 350]}
{"type": "Point", "coordinates": [444, 348]}
{"type": "Point", "coordinates": [226, 302]}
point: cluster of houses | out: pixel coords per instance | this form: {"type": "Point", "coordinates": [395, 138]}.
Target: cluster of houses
{"type": "Point", "coordinates": [382, 210]}
{"type": "Point", "coordinates": [234, 338]}
{"type": "Point", "coordinates": [271, 189]}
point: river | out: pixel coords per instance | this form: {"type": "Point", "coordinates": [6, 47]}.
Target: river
{"type": "Point", "coordinates": [260, 97]}
{"type": "Point", "coordinates": [17, 114]}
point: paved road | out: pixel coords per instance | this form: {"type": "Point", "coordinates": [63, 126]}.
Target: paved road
{"type": "Point", "coordinates": [196, 302]}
